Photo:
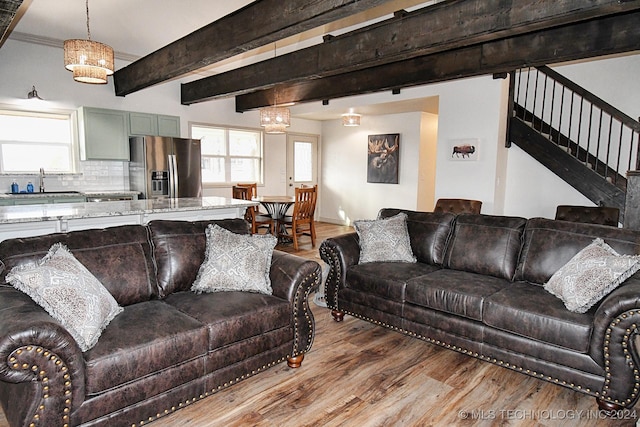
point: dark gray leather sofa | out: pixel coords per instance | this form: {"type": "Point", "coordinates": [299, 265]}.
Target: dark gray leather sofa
{"type": "Point", "coordinates": [169, 347]}
{"type": "Point", "coordinates": [477, 288]}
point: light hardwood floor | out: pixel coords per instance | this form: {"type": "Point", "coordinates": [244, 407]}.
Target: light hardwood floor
{"type": "Point", "coordinates": [359, 374]}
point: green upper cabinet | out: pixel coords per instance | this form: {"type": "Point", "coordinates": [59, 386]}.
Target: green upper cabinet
{"type": "Point", "coordinates": [143, 124]}
{"type": "Point", "coordinates": [104, 134]}
{"type": "Point", "coordinates": [153, 124]}
{"type": "Point", "coordinates": [169, 126]}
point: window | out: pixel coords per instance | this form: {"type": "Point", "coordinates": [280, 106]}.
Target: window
{"type": "Point", "coordinates": [303, 158]}
{"type": "Point", "coordinates": [30, 141]}
{"type": "Point", "coordinates": [229, 155]}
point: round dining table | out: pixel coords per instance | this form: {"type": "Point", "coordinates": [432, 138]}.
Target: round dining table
{"type": "Point", "coordinates": [277, 207]}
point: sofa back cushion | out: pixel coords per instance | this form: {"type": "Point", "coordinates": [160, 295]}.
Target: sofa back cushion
{"type": "Point", "coordinates": [179, 250]}
{"type": "Point", "coordinates": [428, 232]}
{"type": "Point", "coordinates": [119, 257]}
{"type": "Point", "coordinates": [550, 244]}
{"type": "Point", "coordinates": [485, 244]}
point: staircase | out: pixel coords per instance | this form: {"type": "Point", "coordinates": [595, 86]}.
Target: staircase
{"type": "Point", "coordinates": [578, 136]}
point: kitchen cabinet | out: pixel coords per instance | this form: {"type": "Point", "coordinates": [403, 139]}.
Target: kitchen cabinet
{"type": "Point", "coordinates": [31, 201]}
{"type": "Point", "coordinates": [41, 200]}
{"type": "Point", "coordinates": [74, 199]}
{"type": "Point", "coordinates": [104, 134]}
{"type": "Point", "coordinates": [141, 124]}
{"type": "Point", "coordinates": [169, 126]}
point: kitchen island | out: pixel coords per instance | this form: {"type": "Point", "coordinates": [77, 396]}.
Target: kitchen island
{"type": "Point", "coordinates": [36, 220]}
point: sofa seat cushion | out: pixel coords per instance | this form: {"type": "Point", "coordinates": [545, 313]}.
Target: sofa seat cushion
{"type": "Point", "coordinates": [530, 311]}
{"type": "Point", "coordinates": [385, 279]}
{"type": "Point", "coordinates": [456, 292]}
{"type": "Point", "coordinates": [143, 340]}
{"type": "Point", "coordinates": [233, 316]}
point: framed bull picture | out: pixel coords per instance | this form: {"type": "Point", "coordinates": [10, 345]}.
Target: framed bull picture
{"type": "Point", "coordinates": [464, 150]}
{"type": "Point", "coordinates": [382, 158]}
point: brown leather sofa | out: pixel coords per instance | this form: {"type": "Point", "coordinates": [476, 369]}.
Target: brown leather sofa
{"type": "Point", "coordinates": [169, 347]}
{"type": "Point", "coordinates": [477, 288]}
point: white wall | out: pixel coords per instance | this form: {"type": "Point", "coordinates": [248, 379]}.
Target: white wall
{"type": "Point", "coordinates": [346, 195]}
{"type": "Point", "coordinates": [468, 108]}
{"type": "Point", "coordinates": [614, 79]}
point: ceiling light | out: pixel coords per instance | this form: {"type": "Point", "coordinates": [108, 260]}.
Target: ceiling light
{"type": "Point", "coordinates": [33, 94]}
{"type": "Point", "coordinates": [90, 61]}
{"type": "Point", "coordinates": [351, 119]}
{"type": "Point", "coordinates": [275, 119]}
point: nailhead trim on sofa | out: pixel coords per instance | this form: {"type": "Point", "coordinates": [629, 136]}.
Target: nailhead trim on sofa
{"type": "Point", "coordinates": [35, 359]}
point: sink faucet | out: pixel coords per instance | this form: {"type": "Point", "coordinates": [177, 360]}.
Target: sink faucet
{"type": "Point", "coordinates": [42, 180]}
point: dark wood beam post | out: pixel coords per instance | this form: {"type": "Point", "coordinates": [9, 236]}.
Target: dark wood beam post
{"type": "Point", "coordinates": [443, 26]}
{"type": "Point", "coordinates": [632, 201]}
{"type": "Point", "coordinates": [255, 25]}
{"type": "Point", "coordinates": [9, 11]}
{"type": "Point", "coordinates": [593, 38]}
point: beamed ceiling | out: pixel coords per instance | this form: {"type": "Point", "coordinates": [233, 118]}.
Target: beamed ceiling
{"type": "Point", "coordinates": [434, 41]}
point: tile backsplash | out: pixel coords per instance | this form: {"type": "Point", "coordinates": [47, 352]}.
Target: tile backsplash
{"type": "Point", "coordinates": [92, 176]}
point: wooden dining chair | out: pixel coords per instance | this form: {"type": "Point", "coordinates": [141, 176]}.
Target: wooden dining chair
{"type": "Point", "coordinates": [301, 221]}
{"type": "Point", "coordinates": [251, 215]}
{"type": "Point", "coordinates": [254, 193]}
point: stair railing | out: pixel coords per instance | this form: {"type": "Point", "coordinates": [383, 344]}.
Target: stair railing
{"type": "Point", "coordinates": [593, 131]}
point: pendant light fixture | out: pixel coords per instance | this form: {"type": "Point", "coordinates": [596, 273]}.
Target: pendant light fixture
{"type": "Point", "coordinates": [275, 120]}
{"type": "Point", "coordinates": [90, 61]}
{"type": "Point", "coordinates": [351, 119]}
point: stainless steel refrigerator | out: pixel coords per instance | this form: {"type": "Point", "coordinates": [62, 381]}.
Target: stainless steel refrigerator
{"type": "Point", "coordinates": [163, 167]}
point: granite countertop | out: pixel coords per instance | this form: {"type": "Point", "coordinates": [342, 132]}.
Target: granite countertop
{"type": "Point", "coordinates": [59, 211]}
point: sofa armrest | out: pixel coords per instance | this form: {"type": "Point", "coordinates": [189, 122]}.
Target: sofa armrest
{"type": "Point", "coordinates": [339, 253]}
{"type": "Point", "coordinates": [293, 278]}
{"type": "Point", "coordinates": [43, 372]}
{"type": "Point", "coordinates": [613, 343]}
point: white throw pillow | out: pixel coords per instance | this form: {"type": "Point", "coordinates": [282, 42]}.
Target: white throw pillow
{"type": "Point", "coordinates": [384, 239]}
{"type": "Point", "coordinates": [591, 275]}
{"type": "Point", "coordinates": [64, 287]}
{"type": "Point", "coordinates": [235, 262]}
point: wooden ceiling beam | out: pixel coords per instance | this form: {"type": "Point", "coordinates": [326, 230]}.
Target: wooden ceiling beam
{"type": "Point", "coordinates": [604, 36]}
{"type": "Point", "coordinates": [443, 26]}
{"type": "Point", "coordinates": [8, 12]}
{"type": "Point", "coordinates": [257, 24]}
